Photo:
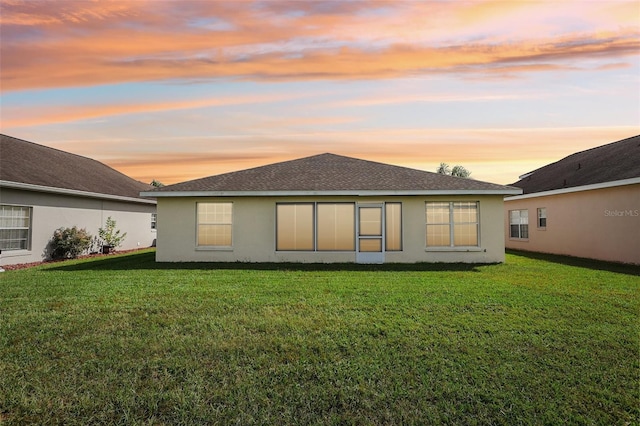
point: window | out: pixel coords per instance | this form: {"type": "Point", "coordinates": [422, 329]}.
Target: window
{"type": "Point", "coordinates": [336, 226]}
{"type": "Point", "coordinates": [154, 220]}
{"type": "Point", "coordinates": [519, 224]}
{"type": "Point", "coordinates": [215, 224]}
{"type": "Point", "coordinates": [542, 217]}
{"type": "Point", "coordinates": [15, 227]}
{"type": "Point", "coordinates": [332, 226]}
{"type": "Point", "coordinates": [393, 226]}
{"type": "Point", "coordinates": [452, 224]}
{"type": "Point", "coordinates": [294, 227]}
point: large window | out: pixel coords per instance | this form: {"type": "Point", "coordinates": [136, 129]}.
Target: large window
{"type": "Point", "coordinates": [295, 227]}
{"type": "Point", "coordinates": [215, 223]}
{"type": "Point", "coordinates": [15, 227]}
{"type": "Point", "coordinates": [519, 224]}
{"type": "Point", "coordinates": [329, 226]}
{"type": "Point", "coordinates": [452, 224]}
{"type": "Point", "coordinates": [336, 226]}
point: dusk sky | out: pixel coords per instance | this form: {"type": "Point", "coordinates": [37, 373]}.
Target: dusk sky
{"type": "Point", "coordinates": [175, 91]}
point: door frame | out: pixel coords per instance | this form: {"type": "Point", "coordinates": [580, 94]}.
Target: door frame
{"type": "Point", "coordinates": [370, 256]}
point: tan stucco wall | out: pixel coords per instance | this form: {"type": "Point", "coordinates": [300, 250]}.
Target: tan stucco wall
{"type": "Point", "coordinates": [51, 211]}
{"type": "Point", "coordinates": [596, 224]}
{"type": "Point", "coordinates": [254, 230]}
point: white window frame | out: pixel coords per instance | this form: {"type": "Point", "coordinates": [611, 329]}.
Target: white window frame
{"type": "Point", "coordinates": [198, 224]}
{"type": "Point", "coordinates": [452, 224]}
{"type": "Point", "coordinates": [542, 214]}
{"type": "Point", "coordinates": [154, 221]}
{"type": "Point", "coordinates": [28, 228]}
{"type": "Point", "coordinates": [522, 220]}
{"type": "Point", "coordinates": [315, 225]}
{"type": "Point", "coordinates": [387, 227]}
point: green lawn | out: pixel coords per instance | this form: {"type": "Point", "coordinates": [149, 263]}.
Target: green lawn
{"type": "Point", "coordinates": [537, 340]}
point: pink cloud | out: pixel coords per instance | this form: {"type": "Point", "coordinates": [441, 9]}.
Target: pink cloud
{"type": "Point", "coordinates": [418, 148]}
{"type": "Point", "coordinates": [89, 43]}
{"type": "Point", "coordinates": [20, 117]}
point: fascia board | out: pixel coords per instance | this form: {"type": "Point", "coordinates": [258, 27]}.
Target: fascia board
{"type": "Point", "coordinates": [73, 192]}
{"type": "Point", "coordinates": [173, 194]}
{"type": "Point", "coordinates": [602, 185]}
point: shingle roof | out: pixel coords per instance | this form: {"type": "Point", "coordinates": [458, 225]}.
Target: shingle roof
{"type": "Point", "coordinates": [330, 173]}
{"type": "Point", "coordinates": [607, 163]}
{"type": "Point", "coordinates": [29, 163]}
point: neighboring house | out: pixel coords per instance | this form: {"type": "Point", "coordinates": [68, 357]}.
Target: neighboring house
{"type": "Point", "coordinates": [585, 205]}
{"type": "Point", "coordinates": [330, 208]}
{"type": "Point", "coordinates": [42, 189]}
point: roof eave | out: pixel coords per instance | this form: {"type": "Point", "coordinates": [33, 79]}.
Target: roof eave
{"type": "Point", "coordinates": [72, 192]}
{"type": "Point", "coordinates": [602, 185]}
{"type": "Point", "coordinates": [364, 193]}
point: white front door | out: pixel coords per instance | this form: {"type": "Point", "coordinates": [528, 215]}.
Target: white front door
{"type": "Point", "coordinates": [370, 232]}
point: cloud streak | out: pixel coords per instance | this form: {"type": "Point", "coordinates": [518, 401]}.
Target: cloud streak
{"type": "Point", "coordinates": [490, 84]}
{"type": "Point", "coordinates": [21, 117]}
{"type": "Point", "coordinates": [47, 44]}
{"type": "Point", "coordinates": [418, 148]}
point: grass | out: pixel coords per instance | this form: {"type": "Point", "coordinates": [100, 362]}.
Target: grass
{"type": "Point", "coordinates": [122, 340]}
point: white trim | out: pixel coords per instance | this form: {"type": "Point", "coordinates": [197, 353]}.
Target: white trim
{"type": "Point", "coordinates": [214, 248]}
{"type": "Point", "coordinates": [65, 191]}
{"type": "Point", "coordinates": [371, 257]}
{"type": "Point", "coordinates": [461, 249]}
{"type": "Point", "coordinates": [602, 185]}
{"type": "Point", "coordinates": [366, 193]}
{"type": "Point", "coordinates": [210, 247]}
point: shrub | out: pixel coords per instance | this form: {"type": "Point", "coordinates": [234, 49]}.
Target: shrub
{"type": "Point", "coordinates": [68, 243]}
{"type": "Point", "coordinates": [110, 235]}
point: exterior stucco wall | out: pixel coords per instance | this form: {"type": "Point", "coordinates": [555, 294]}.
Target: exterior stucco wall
{"type": "Point", "coordinates": [52, 211]}
{"type": "Point", "coordinates": [599, 224]}
{"type": "Point", "coordinates": [254, 231]}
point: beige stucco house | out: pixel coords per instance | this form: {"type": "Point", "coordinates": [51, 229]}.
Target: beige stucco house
{"type": "Point", "coordinates": [43, 189]}
{"type": "Point", "coordinates": [331, 208]}
{"type": "Point", "coordinates": [585, 205]}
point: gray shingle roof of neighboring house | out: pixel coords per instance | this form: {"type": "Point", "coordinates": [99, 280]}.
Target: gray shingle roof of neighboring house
{"type": "Point", "coordinates": [40, 167]}
{"type": "Point", "coordinates": [607, 163]}
{"type": "Point", "coordinates": [330, 173]}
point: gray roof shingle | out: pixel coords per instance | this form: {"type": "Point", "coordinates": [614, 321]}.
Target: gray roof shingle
{"type": "Point", "coordinates": [330, 172]}
{"type": "Point", "coordinates": [29, 163]}
{"type": "Point", "coordinates": [607, 163]}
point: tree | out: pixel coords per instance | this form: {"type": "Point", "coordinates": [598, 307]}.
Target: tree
{"type": "Point", "coordinates": [110, 235]}
{"type": "Point", "coordinates": [444, 169]}
{"type": "Point", "coordinates": [157, 183]}
{"type": "Point", "coordinates": [460, 171]}
{"type": "Point", "coordinates": [457, 171]}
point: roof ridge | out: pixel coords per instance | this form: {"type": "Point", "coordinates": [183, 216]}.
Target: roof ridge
{"type": "Point", "coordinates": [67, 153]}
{"type": "Point", "coordinates": [329, 172]}
{"type": "Point", "coordinates": [31, 163]}
{"type": "Point", "coordinates": [605, 163]}
{"type": "Point", "coordinates": [525, 175]}
{"type": "Point", "coordinates": [51, 148]}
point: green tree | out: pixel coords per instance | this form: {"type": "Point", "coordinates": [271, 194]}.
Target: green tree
{"type": "Point", "coordinates": [444, 169]}
{"type": "Point", "coordinates": [458, 171]}
{"type": "Point", "coordinates": [157, 183]}
{"type": "Point", "coordinates": [110, 235]}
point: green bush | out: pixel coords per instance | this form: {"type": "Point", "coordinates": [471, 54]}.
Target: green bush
{"type": "Point", "coordinates": [110, 235]}
{"type": "Point", "coordinates": [68, 243]}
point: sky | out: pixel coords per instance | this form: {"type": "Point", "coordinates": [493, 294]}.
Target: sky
{"type": "Point", "coordinates": [178, 90]}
